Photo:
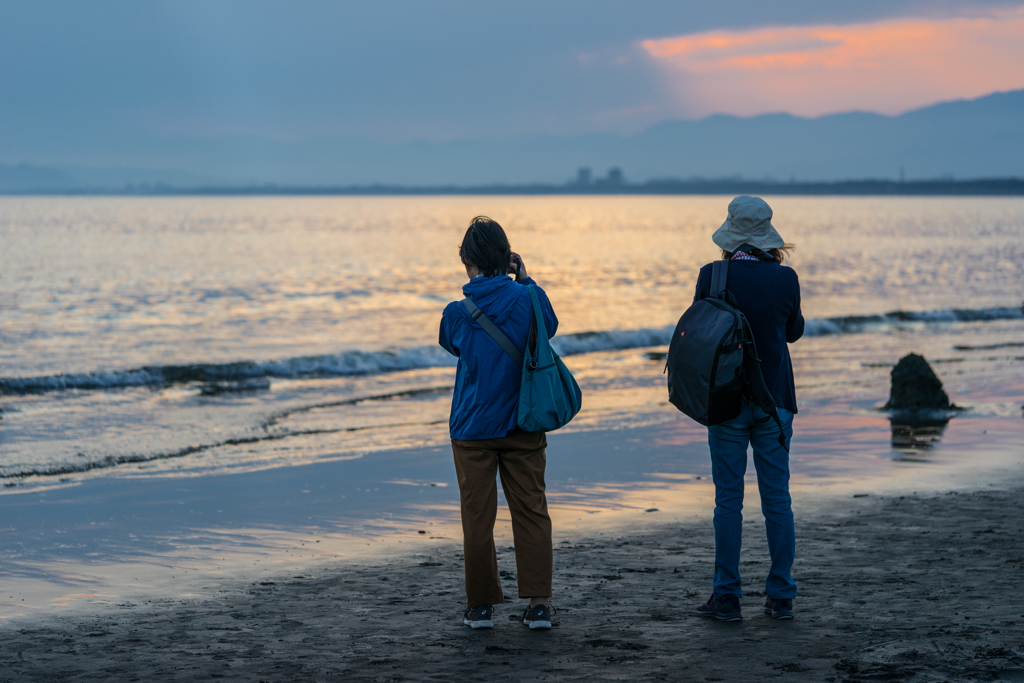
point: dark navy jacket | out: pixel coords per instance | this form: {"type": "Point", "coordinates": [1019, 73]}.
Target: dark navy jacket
{"type": "Point", "coordinates": [769, 295]}
{"type": "Point", "coordinates": [486, 400]}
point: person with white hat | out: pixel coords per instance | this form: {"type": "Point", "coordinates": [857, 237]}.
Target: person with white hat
{"type": "Point", "coordinates": [768, 294]}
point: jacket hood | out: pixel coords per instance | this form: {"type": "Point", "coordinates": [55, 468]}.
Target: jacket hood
{"type": "Point", "coordinates": [495, 296]}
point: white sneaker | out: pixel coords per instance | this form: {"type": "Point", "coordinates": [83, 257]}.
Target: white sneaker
{"type": "Point", "coordinates": [538, 617]}
{"type": "Point", "coordinates": [479, 617]}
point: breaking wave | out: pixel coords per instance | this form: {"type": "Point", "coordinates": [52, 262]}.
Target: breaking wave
{"type": "Point", "coordinates": [220, 376]}
{"type": "Point", "coordinates": [854, 324]}
{"type": "Point", "coordinates": [343, 364]}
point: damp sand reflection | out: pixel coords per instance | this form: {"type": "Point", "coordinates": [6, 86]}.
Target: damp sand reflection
{"type": "Point", "coordinates": [110, 541]}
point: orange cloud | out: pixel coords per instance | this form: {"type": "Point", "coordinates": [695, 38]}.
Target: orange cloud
{"type": "Point", "coordinates": [886, 66]}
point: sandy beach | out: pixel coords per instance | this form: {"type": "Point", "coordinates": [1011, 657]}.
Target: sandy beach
{"type": "Point", "coordinates": [922, 588]}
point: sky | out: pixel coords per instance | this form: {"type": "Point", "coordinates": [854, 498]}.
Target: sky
{"type": "Point", "coordinates": [97, 82]}
{"type": "Point", "coordinates": [886, 65]}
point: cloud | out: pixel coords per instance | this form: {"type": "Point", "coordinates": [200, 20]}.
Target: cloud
{"type": "Point", "coordinates": [884, 66]}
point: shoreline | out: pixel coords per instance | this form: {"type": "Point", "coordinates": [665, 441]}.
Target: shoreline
{"type": "Point", "coordinates": [84, 549]}
{"type": "Point", "coordinates": [891, 588]}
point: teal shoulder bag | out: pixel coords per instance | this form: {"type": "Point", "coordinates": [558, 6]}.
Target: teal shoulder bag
{"type": "Point", "coordinates": [549, 396]}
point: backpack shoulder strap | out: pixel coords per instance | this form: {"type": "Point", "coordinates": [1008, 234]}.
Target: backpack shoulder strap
{"type": "Point", "coordinates": [719, 278]}
{"type": "Point", "coordinates": [755, 384]}
{"type": "Point", "coordinates": [491, 329]}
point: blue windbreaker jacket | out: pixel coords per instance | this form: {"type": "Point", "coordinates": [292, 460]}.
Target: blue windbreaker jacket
{"type": "Point", "coordinates": [486, 400]}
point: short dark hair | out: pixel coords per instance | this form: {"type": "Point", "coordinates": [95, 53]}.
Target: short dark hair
{"type": "Point", "coordinates": [486, 247]}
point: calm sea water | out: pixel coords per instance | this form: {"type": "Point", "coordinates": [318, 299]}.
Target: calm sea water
{"type": "Point", "coordinates": [143, 336]}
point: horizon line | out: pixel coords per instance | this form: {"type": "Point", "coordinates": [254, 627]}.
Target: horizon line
{"type": "Point", "coordinates": [990, 186]}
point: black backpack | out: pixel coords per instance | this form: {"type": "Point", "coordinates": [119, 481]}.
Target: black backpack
{"type": "Point", "coordinates": [712, 360]}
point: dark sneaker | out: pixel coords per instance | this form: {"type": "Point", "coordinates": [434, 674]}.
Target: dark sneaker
{"type": "Point", "coordinates": [724, 608]}
{"type": "Point", "coordinates": [779, 609]}
{"type": "Point", "coordinates": [538, 617]}
{"type": "Point", "coordinates": [479, 617]}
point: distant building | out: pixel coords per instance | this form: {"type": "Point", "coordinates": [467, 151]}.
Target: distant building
{"type": "Point", "coordinates": [585, 179]}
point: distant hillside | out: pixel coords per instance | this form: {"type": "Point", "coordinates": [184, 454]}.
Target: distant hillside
{"type": "Point", "coordinates": [981, 138]}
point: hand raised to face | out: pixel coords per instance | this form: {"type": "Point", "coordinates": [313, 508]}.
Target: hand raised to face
{"type": "Point", "coordinates": [517, 267]}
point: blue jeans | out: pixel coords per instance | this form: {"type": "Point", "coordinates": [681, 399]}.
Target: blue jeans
{"type": "Point", "coordinates": [728, 442]}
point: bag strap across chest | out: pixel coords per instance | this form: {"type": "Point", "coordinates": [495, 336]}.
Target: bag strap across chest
{"type": "Point", "coordinates": [491, 329]}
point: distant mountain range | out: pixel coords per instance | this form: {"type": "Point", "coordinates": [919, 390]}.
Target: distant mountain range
{"type": "Point", "coordinates": [981, 138]}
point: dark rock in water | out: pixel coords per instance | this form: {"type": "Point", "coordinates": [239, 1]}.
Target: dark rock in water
{"type": "Point", "coordinates": [920, 409]}
{"type": "Point", "coordinates": [915, 386]}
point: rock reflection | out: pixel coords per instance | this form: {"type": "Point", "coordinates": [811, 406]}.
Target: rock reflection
{"type": "Point", "coordinates": [915, 436]}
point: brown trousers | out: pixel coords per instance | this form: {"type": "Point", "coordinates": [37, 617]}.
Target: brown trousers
{"type": "Point", "coordinates": [520, 460]}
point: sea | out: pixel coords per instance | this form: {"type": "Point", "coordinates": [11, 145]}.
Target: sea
{"type": "Point", "coordinates": [183, 341]}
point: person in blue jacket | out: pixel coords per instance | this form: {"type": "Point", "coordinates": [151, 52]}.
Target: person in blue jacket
{"type": "Point", "coordinates": [485, 440]}
{"type": "Point", "coordinates": [768, 294]}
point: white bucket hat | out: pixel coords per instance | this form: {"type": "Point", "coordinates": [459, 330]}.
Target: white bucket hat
{"type": "Point", "coordinates": [749, 222]}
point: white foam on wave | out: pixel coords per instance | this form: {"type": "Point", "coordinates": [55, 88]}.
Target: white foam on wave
{"type": "Point", "coordinates": [610, 340]}
{"type": "Point", "coordinates": [855, 324]}
{"type": "Point", "coordinates": [90, 380]}
{"type": "Point", "coordinates": [330, 365]}
{"type": "Point", "coordinates": [358, 362]}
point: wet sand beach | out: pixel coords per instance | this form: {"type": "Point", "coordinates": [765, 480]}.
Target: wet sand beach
{"type": "Point", "coordinates": [903, 588]}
